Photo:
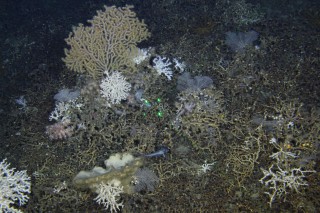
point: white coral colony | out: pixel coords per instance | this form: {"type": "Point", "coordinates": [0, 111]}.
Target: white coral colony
{"type": "Point", "coordinates": [114, 88]}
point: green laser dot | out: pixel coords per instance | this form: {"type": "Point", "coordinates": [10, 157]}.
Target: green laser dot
{"type": "Point", "coordinates": [159, 114]}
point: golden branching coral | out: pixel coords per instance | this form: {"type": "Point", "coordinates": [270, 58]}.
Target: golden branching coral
{"type": "Point", "coordinates": [201, 116]}
{"type": "Point", "coordinates": [109, 43]}
{"type": "Point", "coordinates": [243, 156]}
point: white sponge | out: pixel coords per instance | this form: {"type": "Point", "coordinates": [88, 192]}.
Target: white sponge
{"type": "Point", "coordinates": [118, 160]}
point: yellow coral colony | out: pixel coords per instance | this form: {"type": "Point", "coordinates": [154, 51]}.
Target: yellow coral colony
{"type": "Point", "coordinates": [108, 44]}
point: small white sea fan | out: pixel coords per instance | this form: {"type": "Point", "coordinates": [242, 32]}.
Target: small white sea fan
{"type": "Point", "coordinates": [114, 87]}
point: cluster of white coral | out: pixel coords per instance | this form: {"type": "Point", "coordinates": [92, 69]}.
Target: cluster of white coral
{"type": "Point", "coordinates": [280, 181]}
{"type": "Point", "coordinates": [114, 87]}
{"type": "Point", "coordinates": [282, 177]}
{"type": "Point", "coordinates": [14, 186]}
{"type": "Point", "coordinates": [60, 112]}
{"type": "Point", "coordinates": [142, 55]}
{"type": "Point", "coordinates": [108, 196]}
{"type": "Point", "coordinates": [66, 100]}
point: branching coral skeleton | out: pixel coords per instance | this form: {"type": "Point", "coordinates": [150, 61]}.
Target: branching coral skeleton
{"type": "Point", "coordinates": [282, 177]}
{"type": "Point", "coordinates": [205, 167]}
{"type": "Point", "coordinates": [279, 180]}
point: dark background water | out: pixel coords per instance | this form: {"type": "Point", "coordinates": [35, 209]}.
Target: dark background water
{"type": "Point", "coordinates": [33, 32]}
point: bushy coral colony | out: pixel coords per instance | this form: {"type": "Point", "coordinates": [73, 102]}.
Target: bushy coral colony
{"type": "Point", "coordinates": [176, 132]}
{"type": "Point", "coordinates": [283, 176]}
{"type": "Point", "coordinates": [15, 187]}
{"type": "Point", "coordinates": [114, 88]}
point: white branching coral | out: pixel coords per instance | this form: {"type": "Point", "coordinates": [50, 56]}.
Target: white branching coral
{"type": "Point", "coordinates": [204, 168]}
{"type": "Point", "coordinates": [108, 196]}
{"type": "Point", "coordinates": [180, 66]}
{"type": "Point", "coordinates": [60, 112]}
{"type": "Point", "coordinates": [14, 186]}
{"type": "Point", "coordinates": [162, 66]}
{"type": "Point", "coordinates": [114, 87]}
{"type": "Point", "coordinates": [281, 154]}
{"type": "Point", "coordinates": [279, 180]}
{"type": "Point", "coordinates": [283, 177]}
{"type": "Point", "coordinates": [142, 55]}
